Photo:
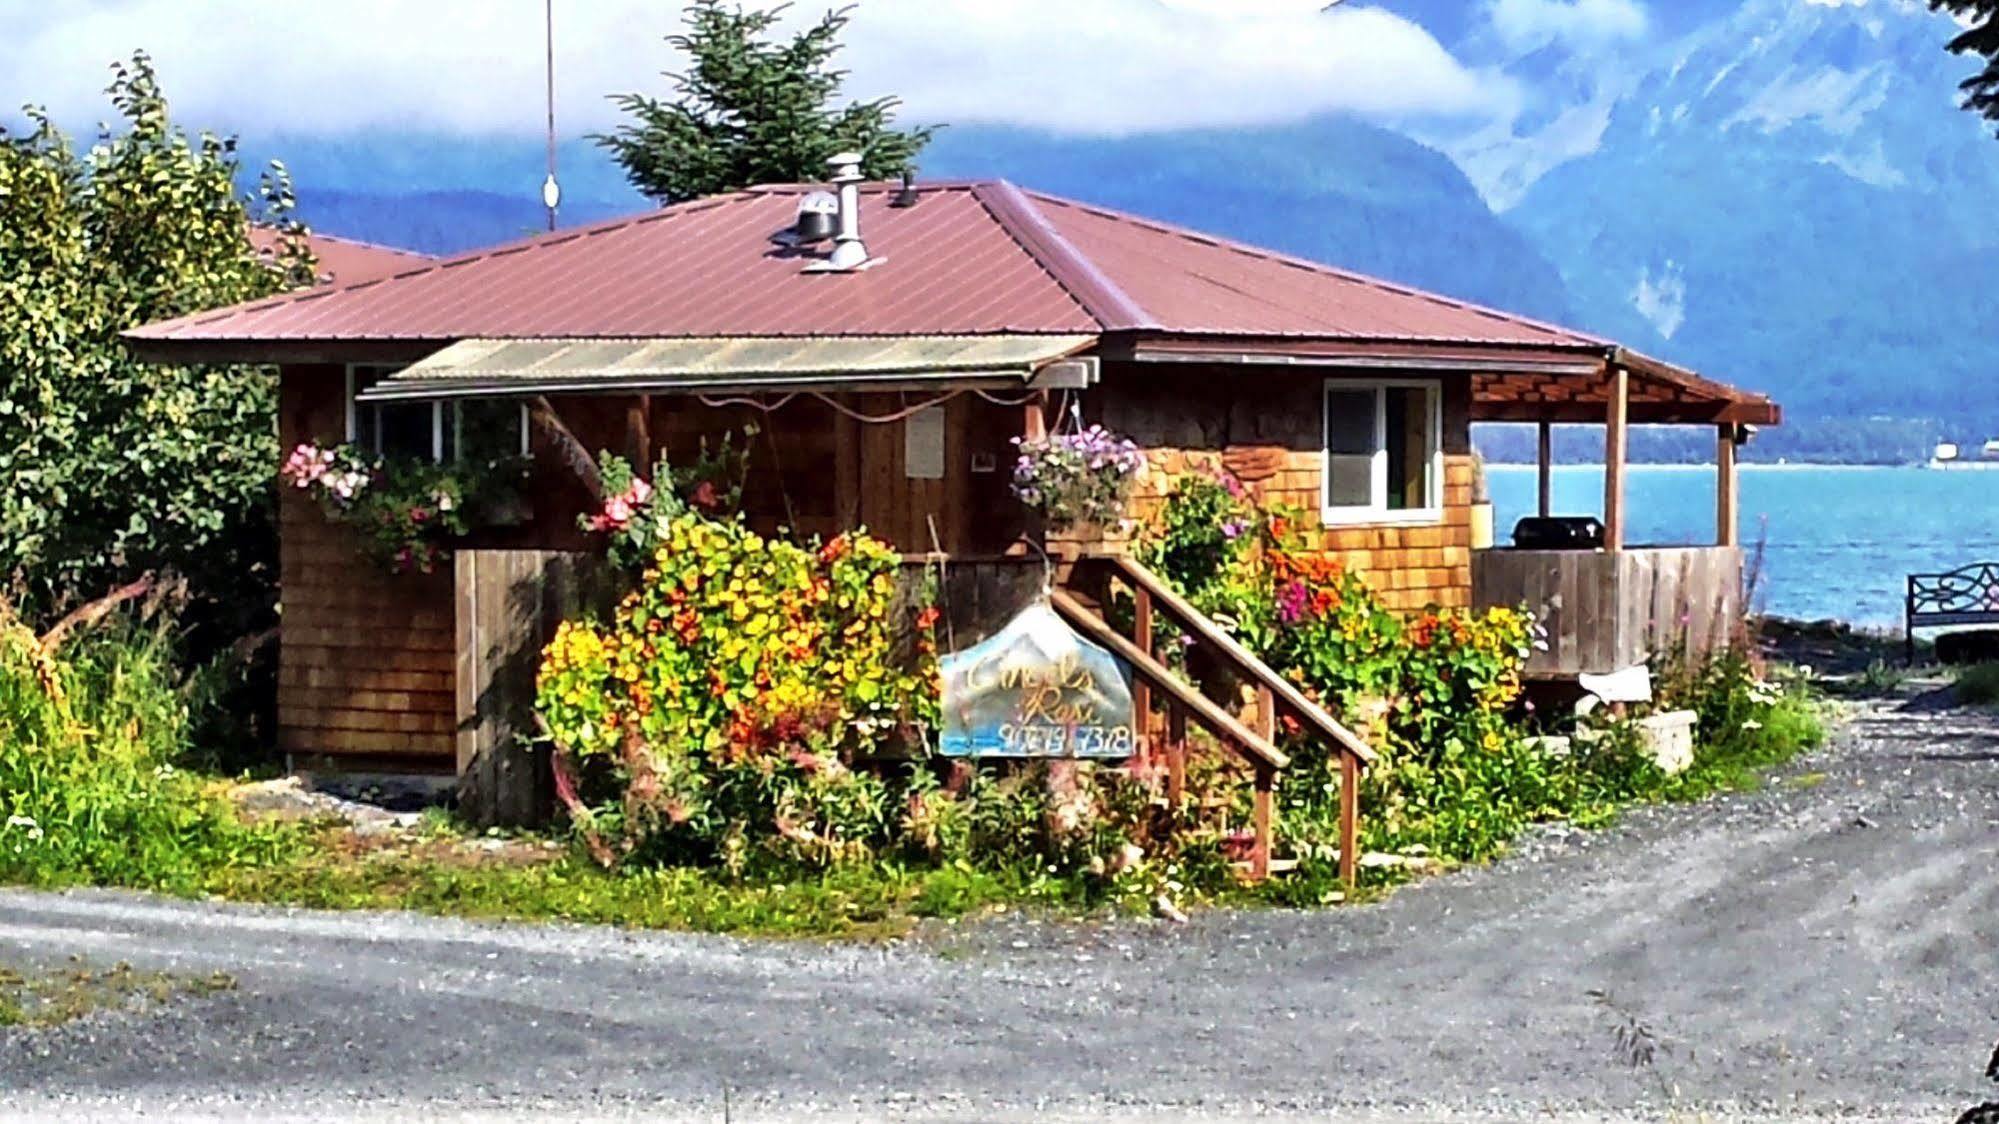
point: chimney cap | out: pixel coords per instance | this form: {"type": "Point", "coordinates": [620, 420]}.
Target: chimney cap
{"type": "Point", "coordinates": [846, 166]}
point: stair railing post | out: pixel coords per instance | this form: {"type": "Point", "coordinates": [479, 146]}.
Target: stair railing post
{"type": "Point", "coordinates": [1176, 757]}
{"type": "Point", "coordinates": [1141, 691]}
{"type": "Point", "coordinates": [1349, 820]}
{"type": "Point", "coordinates": [1266, 783]}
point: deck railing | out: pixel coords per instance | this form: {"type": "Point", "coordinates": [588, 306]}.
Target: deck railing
{"type": "Point", "coordinates": [1606, 610]}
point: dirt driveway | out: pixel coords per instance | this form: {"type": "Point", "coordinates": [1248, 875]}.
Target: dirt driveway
{"type": "Point", "coordinates": [1828, 947]}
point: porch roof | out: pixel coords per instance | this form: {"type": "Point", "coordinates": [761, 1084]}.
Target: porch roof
{"type": "Point", "coordinates": [482, 367]}
{"type": "Point", "coordinates": [1660, 394]}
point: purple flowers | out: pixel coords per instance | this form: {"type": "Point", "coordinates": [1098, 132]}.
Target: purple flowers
{"type": "Point", "coordinates": [1292, 602]}
{"type": "Point", "coordinates": [1078, 477]}
{"type": "Point", "coordinates": [1233, 529]}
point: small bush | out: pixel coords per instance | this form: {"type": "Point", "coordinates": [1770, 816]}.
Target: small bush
{"type": "Point", "coordinates": [1978, 685]}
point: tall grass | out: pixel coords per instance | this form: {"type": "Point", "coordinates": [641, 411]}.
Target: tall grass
{"type": "Point", "coordinates": [91, 727]}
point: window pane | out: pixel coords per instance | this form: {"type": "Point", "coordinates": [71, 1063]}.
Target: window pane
{"type": "Point", "coordinates": [1350, 448]}
{"type": "Point", "coordinates": [489, 429]}
{"type": "Point", "coordinates": [404, 430]}
{"type": "Point", "coordinates": [1409, 453]}
{"type": "Point", "coordinates": [364, 416]}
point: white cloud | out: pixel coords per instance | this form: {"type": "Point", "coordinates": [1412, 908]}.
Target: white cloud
{"type": "Point", "coordinates": [1580, 22]}
{"type": "Point", "coordinates": [475, 65]}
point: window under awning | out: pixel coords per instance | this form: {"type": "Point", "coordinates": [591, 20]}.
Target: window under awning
{"type": "Point", "coordinates": [479, 368]}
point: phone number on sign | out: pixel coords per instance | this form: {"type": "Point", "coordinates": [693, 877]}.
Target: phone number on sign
{"type": "Point", "coordinates": [1067, 741]}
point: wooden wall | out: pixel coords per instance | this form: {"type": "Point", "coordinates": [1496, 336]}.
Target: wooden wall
{"type": "Point", "coordinates": [365, 658]}
{"type": "Point", "coordinates": [1264, 424]}
{"type": "Point", "coordinates": [368, 659]}
{"type": "Point", "coordinates": [816, 470]}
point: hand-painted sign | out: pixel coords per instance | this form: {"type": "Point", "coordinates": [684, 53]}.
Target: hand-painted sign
{"type": "Point", "coordinates": [1036, 689]}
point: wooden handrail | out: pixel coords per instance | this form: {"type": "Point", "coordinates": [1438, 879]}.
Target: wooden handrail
{"type": "Point", "coordinates": [1266, 677]}
{"type": "Point", "coordinates": [1161, 678]}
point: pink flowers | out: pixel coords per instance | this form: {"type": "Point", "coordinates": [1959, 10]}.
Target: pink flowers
{"type": "Point", "coordinates": [336, 474]}
{"type": "Point", "coordinates": [619, 509]}
{"type": "Point", "coordinates": [307, 464]}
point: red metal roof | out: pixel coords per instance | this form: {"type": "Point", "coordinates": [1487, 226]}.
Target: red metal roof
{"type": "Point", "coordinates": [966, 259]}
{"type": "Point", "coordinates": [343, 259]}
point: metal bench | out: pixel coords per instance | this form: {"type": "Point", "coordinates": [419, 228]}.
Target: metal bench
{"type": "Point", "coordinates": [1969, 595]}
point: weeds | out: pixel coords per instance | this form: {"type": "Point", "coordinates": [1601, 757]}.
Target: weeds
{"type": "Point", "coordinates": [1634, 1044]}
{"type": "Point", "coordinates": [92, 719]}
{"type": "Point", "coordinates": [37, 999]}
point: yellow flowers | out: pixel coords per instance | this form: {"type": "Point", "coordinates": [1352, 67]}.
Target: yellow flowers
{"type": "Point", "coordinates": [731, 635]}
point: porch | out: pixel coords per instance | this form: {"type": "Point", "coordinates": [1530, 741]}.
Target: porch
{"type": "Point", "coordinates": [1608, 607]}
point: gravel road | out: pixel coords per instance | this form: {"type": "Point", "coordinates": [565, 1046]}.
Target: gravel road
{"type": "Point", "coordinates": [1822, 949]}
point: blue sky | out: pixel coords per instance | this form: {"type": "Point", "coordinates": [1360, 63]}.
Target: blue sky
{"type": "Point", "coordinates": [474, 66]}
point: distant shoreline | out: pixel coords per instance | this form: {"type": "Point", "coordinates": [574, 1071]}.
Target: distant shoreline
{"type": "Point", "coordinates": [1746, 466]}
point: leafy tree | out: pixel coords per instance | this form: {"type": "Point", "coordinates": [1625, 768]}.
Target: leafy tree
{"type": "Point", "coordinates": [1980, 37]}
{"type": "Point", "coordinates": [753, 110]}
{"type": "Point", "coordinates": [109, 466]}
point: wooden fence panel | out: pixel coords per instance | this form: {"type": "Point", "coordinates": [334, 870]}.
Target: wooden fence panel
{"type": "Point", "coordinates": [509, 603]}
{"type": "Point", "coordinates": [1603, 611]}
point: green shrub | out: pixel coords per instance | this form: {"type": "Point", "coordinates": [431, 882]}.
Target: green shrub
{"type": "Point", "coordinates": [89, 788]}
{"type": "Point", "coordinates": [1978, 685]}
{"type": "Point", "coordinates": [1432, 694]}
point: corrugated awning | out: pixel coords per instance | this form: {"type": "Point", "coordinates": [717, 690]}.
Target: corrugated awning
{"type": "Point", "coordinates": [477, 368]}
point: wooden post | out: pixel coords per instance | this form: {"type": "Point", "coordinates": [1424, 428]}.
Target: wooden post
{"type": "Point", "coordinates": [1141, 691]}
{"type": "Point", "coordinates": [1266, 786]}
{"type": "Point", "coordinates": [1349, 820]}
{"type": "Point", "coordinates": [1546, 461]}
{"type": "Point", "coordinates": [1176, 756]}
{"type": "Point", "coordinates": [638, 434]}
{"type": "Point", "coordinates": [1034, 425]}
{"type": "Point", "coordinates": [1727, 513]}
{"type": "Point", "coordinates": [1614, 441]}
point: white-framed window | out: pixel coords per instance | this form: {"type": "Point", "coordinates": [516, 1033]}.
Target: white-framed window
{"type": "Point", "coordinates": [1384, 455]}
{"type": "Point", "coordinates": [459, 429]}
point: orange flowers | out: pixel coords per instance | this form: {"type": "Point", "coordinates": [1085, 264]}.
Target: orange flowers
{"type": "Point", "coordinates": [1424, 632]}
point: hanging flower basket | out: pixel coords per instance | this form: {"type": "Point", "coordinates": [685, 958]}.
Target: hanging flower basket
{"type": "Point", "coordinates": [410, 512]}
{"type": "Point", "coordinates": [1077, 478]}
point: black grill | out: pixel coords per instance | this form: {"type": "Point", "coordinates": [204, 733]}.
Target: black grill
{"type": "Point", "coordinates": [1558, 532]}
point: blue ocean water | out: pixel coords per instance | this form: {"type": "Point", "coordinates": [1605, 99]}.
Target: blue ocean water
{"type": "Point", "coordinates": [1837, 542]}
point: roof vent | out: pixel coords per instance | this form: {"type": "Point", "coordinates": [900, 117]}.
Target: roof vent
{"type": "Point", "coordinates": [907, 197]}
{"type": "Point", "coordinates": [849, 254]}
{"type": "Point", "coordinates": [818, 219]}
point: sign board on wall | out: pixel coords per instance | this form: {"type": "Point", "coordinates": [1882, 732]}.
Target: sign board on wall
{"type": "Point", "coordinates": [1036, 689]}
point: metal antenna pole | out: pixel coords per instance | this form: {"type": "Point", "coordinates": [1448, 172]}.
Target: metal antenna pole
{"type": "Point", "coordinates": [551, 192]}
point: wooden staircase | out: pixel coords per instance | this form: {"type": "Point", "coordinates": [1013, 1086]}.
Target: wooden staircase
{"type": "Point", "coordinates": [1164, 701]}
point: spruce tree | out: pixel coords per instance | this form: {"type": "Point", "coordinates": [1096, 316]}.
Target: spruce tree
{"type": "Point", "coordinates": [1980, 37]}
{"type": "Point", "coordinates": [752, 109]}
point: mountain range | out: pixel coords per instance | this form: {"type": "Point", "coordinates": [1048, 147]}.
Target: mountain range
{"type": "Point", "coordinates": [1781, 193]}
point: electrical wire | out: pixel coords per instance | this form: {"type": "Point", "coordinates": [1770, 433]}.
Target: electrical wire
{"type": "Point", "coordinates": [752, 403]}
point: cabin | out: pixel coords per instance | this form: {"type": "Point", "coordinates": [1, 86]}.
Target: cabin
{"type": "Point", "coordinates": [889, 366]}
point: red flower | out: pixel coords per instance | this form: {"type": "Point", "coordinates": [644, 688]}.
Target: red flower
{"type": "Point", "coordinates": [705, 497]}
{"type": "Point", "coordinates": [927, 619]}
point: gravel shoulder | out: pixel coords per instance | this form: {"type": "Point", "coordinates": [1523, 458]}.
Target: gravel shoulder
{"type": "Point", "coordinates": [1825, 948]}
